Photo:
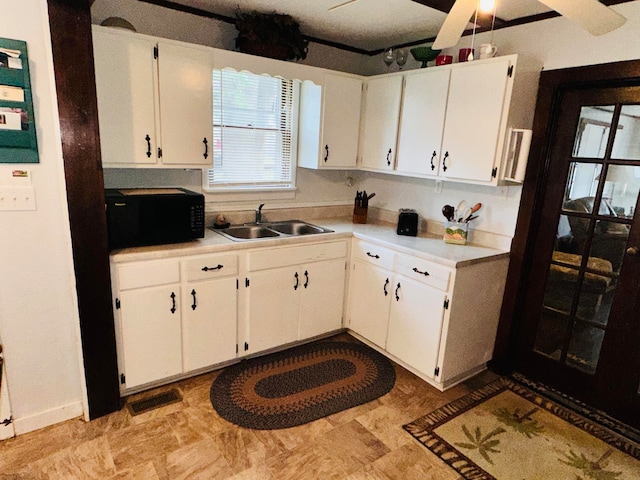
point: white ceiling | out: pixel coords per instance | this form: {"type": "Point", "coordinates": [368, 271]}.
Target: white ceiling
{"type": "Point", "coordinates": [364, 24]}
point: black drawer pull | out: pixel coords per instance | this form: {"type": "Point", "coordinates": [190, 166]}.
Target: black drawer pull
{"type": "Point", "coordinates": [444, 161]}
{"type": "Point", "coordinates": [433, 167]}
{"type": "Point", "coordinates": [397, 296]}
{"type": "Point", "coordinates": [148, 139]}
{"type": "Point", "coordinates": [389, 157]}
{"type": "Point", "coordinates": [207, 269]}
{"type": "Point", "coordinates": [369, 254]}
{"type": "Point", "coordinates": [326, 155]}
{"type": "Point", "coordinates": [295, 287]}
{"type": "Point", "coordinates": [206, 148]}
{"type": "Point", "coordinates": [306, 279]}
{"type": "Point", "coordinates": [425, 273]}
{"type": "Point", "coordinates": [385, 287]}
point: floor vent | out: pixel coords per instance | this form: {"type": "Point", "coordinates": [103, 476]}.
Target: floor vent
{"type": "Point", "coordinates": [156, 401]}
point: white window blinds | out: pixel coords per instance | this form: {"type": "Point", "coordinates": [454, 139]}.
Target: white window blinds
{"type": "Point", "coordinates": [254, 131]}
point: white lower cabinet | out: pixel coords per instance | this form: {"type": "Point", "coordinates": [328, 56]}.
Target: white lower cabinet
{"type": "Point", "coordinates": [438, 321]}
{"type": "Point", "coordinates": [370, 300]}
{"type": "Point", "coordinates": [174, 317]}
{"type": "Point", "coordinates": [415, 324]}
{"type": "Point", "coordinates": [293, 293]}
{"type": "Point", "coordinates": [150, 330]}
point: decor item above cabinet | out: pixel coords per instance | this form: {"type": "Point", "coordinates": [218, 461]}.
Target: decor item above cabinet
{"type": "Point", "coordinates": [329, 123]}
{"type": "Point", "coordinates": [451, 122]}
{"type": "Point", "coordinates": [154, 101]}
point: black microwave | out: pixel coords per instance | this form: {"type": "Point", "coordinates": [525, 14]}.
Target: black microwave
{"type": "Point", "coordinates": [153, 216]}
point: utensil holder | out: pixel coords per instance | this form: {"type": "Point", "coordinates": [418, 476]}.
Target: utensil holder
{"type": "Point", "coordinates": [360, 214]}
{"type": "Point", "coordinates": [456, 232]}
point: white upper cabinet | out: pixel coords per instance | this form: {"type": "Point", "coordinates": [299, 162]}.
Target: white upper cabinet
{"type": "Point", "coordinates": [330, 122]}
{"type": "Point", "coordinates": [186, 104]}
{"type": "Point", "coordinates": [422, 122]}
{"type": "Point", "coordinates": [126, 79]}
{"type": "Point", "coordinates": [380, 125]}
{"type": "Point", "coordinates": [154, 101]}
{"type": "Point", "coordinates": [453, 120]}
{"type": "Point", "coordinates": [475, 123]}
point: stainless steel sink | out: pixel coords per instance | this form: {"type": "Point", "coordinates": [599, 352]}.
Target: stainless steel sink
{"type": "Point", "coordinates": [296, 227]}
{"type": "Point", "coordinates": [253, 231]}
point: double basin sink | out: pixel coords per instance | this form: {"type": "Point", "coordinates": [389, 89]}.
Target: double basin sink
{"type": "Point", "coordinates": [254, 231]}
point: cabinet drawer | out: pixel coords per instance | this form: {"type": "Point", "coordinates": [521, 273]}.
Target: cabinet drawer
{"type": "Point", "coordinates": [374, 254]}
{"type": "Point", "coordinates": [147, 274]}
{"type": "Point", "coordinates": [296, 255]}
{"type": "Point", "coordinates": [210, 266]}
{"type": "Point", "coordinates": [424, 271]}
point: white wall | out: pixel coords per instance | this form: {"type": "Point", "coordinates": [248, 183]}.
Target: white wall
{"type": "Point", "coordinates": [39, 321]}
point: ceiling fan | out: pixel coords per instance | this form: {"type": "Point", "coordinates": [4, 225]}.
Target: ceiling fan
{"type": "Point", "coordinates": [591, 15]}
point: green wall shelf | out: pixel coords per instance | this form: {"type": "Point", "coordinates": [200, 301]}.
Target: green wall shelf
{"type": "Point", "coordinates": [18, 143]}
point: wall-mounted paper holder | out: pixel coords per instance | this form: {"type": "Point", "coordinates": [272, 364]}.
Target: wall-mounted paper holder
{"type": "Point", "coordinates": [517, 154]}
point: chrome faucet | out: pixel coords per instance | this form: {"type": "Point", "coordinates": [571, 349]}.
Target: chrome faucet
{"type": "Point", "coordinates": [259, 213]}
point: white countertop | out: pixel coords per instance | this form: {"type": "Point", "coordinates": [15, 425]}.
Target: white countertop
{"type": "Point", "coordinates": [428, 246]}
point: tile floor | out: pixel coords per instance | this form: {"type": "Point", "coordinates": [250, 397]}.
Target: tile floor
{"type": "Point", "coordinates": [188, 440]}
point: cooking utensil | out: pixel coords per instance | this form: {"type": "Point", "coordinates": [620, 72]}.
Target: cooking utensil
{"type": "Point", "coordinates": [474, 209]}
{"type": "Point", "coordinates": [447, 211]}
{"type": "Point", "coordinates": [467, 213]}
{"type": "Point", "coordinates": [459, 210]}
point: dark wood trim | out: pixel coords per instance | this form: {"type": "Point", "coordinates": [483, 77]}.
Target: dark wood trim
{"type": "Point", "coordinates": [70, 23]}
{"type": "Point", "coordinates": [552, 85]}
{"type": "Point", "coordinates": [485, 22]}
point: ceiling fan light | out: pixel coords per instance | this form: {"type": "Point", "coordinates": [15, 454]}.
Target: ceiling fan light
{"type": "Point", "coordinates": [486, 6]}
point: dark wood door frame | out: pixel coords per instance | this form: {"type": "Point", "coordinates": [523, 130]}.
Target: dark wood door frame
{"type": "Point", "coordinates": [552, 86]}
{"type": "Point", "coordinates": [70, 24]}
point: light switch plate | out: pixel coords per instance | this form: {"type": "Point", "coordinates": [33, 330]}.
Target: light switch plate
{"type": "Point", "coordinates": [17, 198]}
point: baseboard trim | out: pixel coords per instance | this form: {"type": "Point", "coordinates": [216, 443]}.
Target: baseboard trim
{"type": "Point", "coordinates": [47, 418]}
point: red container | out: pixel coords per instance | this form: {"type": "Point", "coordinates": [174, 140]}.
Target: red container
{"type": "Point", "coordinates": [463, 54]}
{"type": "Point", "coordinates": [444, 59]}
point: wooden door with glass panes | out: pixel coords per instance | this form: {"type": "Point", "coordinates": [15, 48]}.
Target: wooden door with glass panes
{"type": "Point", "coordinates": [581, 326]}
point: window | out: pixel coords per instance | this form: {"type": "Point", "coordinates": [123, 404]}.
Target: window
{"type": "Point", "coordinates": [255, 120]}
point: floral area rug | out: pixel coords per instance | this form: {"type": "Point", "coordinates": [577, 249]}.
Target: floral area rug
{"type": "Point", "coordinates": [505, 431]}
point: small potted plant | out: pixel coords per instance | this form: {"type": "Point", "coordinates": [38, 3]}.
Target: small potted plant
{"type": "Point", "coordinates": [273, 35]}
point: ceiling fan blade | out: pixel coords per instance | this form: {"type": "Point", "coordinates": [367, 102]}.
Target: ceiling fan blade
{"type": "Point", "coordinates": [454, 24]}
{"type": "Point", "coordinates": [591, 15]}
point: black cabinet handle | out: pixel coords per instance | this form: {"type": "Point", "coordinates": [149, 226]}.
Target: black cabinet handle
{"type": "Point", "coordinates": [384, 288]}
{"type": "Point", "coordinates": [433, 156]}
{"type": "Point", "coordinates": [397, 288]}
{"type": "Point", "coordinates": [389, 157]}
{"type": "Point", "coordinates": [148, 139]}
{"type": "Point", "coordinates": [425, 273]}
{"type": "Point", "coordinates": [295, 287]}
{"type": "Point", "coordinates": [326, 155]}
{"type": "Point", "coordinates": [173, 302]}
{"type": "Point", "coordinates": [369, 254]}
{"type": "Point", "coordinates": [193, 305]}
{"type": "Point", "coordinates": [206, 269]}
{"type": "Point", "coordinates": [444, 161]}
{"type": "Point", "coordinates": [206, 148]}
{"type": "Point", "coordinates": [306, 279]}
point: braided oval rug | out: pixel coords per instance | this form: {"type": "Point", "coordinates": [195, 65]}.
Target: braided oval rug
{"type": "Point", "coordinates": [299, 385]}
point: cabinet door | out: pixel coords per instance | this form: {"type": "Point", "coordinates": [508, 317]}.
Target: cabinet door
{"type": "Point", "coordinates": [474, 120]}
{"type": "Point", "coordinates": [370, 295]}
{"type": "Point", "coordinates": [381, 117]}
{"type": "Point", "coordinates": [274, 298]}
{"type": "Point", "coordinates": [125, 87]}
{"type": "Point", "coordinates": [150, 325]}
{"type": "Point", "coordinates": [209, 323]}
{"type": "Point", "coordinates": [340, 121]}
{"type": "Point", "coordinates": [415, 324]}
{"type": "Point", "coordinates": [321, 297]}
{"type": "Point", "coordinates": [424, 104]}
{"type": "Point", "coordinates": [186, 104]}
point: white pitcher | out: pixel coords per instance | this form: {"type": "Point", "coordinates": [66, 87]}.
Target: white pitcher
{"type": "Point", "coordinates": [488, 50]}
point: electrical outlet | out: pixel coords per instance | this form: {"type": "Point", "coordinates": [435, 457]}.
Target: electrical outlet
{"type": "Point", "coordinates": [17, 198]}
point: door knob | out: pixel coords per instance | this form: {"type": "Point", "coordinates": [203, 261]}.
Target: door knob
{"type": "Point", "coordinates": [633, 251]}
